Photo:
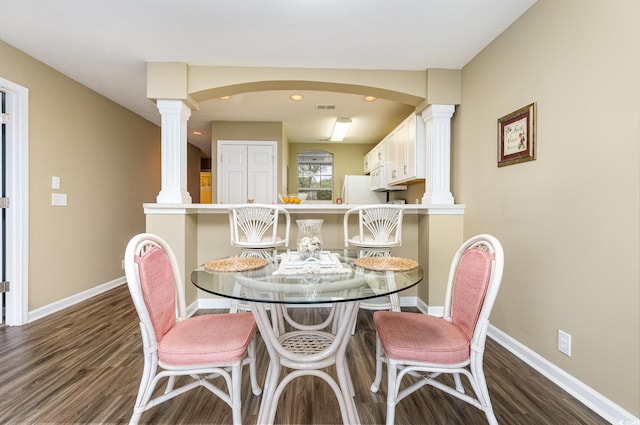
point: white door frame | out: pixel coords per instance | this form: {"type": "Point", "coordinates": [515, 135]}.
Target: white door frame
{"type": "Point", "coordinates": [17, 215]}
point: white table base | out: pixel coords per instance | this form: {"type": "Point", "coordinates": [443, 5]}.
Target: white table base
{"type": "Point", "coordinates": [305, 350]}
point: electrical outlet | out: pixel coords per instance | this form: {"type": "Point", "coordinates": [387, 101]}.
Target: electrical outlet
{"type": "Point", "coordinates": [564, 342]}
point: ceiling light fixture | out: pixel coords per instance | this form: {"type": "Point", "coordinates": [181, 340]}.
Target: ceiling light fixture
{"type": "Point", "coordinates": [340, 129]}
{"type": "Point", "coordinates": [225, 97]}
{"type": "Point", "coordinates": [296, 97]}
{"type": "Point", "coordinates": [369, 98]}
{"type": "Point", "coordinates": [197, 133]}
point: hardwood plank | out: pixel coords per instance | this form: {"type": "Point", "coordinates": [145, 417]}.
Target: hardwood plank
{"type": "Point", "coordinates": [83, 365]}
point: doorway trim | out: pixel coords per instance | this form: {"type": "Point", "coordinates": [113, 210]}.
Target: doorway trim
{"type": "Point", "coordinates": [17, 172]}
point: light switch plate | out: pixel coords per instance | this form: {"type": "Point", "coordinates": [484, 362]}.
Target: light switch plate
{"type": "Point", "coordinates": [55, 182]}
{"type": "Point", "coordinates": [59, 199]}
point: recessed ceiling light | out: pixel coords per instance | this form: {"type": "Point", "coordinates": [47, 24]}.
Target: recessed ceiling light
{"type": "Point", "coordinates": [296, 97]}
{"type": "Point", "coordinates": [369, 98]}
{"type": "Point", "coordinates": [225, 97]}
{"type": "Point", "coordinates": [197, 133]}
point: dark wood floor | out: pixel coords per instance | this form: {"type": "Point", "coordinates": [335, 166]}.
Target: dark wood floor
{"type": "Point", "coordinates": [82, 365]}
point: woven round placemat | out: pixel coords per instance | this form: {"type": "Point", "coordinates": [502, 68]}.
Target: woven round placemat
{"type": "Point", "coordinates": [386, 263]}
{"type": "Point", "coordinates": [234, 264]}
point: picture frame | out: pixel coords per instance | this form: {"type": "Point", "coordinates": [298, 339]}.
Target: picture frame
{"type": "Point", "coordinates": [517, 136]}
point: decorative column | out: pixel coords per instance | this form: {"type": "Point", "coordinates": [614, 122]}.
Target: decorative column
{"type": "Point", "coordinates": [175, 115]}
{"type": "Point", "coordinates": [437, 120]}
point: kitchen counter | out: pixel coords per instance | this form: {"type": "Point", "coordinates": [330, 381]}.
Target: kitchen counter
{"type": "Point", "coordinates": [304, 208]}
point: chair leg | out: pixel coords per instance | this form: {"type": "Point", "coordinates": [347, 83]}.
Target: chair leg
{"type": "Point", "coordinates": [135, 418]}
{"type": "Point", "coordinates": [375, 386]}
{"type": "Point", "coordinates": [482, 391]}
{"type": "Point", "coordinates": [392, 391]}
{"type": "Point", "coordinates": [144, 392]}
{"type": "Point", "coordinates": [252, 368]}
{"type": "Point", "coordinates": [236, 396]}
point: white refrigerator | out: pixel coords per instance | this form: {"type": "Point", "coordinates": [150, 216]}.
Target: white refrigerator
{"type": "Point", "coordinates": [356, 190]}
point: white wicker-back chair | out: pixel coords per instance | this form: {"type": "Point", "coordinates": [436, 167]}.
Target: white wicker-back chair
{"type": "Point", "coordinates": [202, 347]}
{"type": "Point", "coordinates": [254, 229]}
{"type": "Point", "coordinates": [379, 230]}
{"type": "Point", "coordinates": [430, 346]}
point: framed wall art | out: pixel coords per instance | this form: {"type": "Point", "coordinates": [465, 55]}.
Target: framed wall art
{"type": "Point", "coordinates": [517, 136]}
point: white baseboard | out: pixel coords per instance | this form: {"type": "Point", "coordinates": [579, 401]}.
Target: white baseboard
{"type": "Point", "coordinates": [41, 312]}
{"type": "Point", "coordinates": [587, 395]}
{"type": "Point", "coordinates": [214, 303]}
{"type": "Point", "coordinates": [408, 301]}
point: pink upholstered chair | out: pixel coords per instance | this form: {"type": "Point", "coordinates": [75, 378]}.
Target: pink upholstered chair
{"type": "Point", "coordinates": [426, 346]}
{"type": "Point", "coordinates": [202, 347]}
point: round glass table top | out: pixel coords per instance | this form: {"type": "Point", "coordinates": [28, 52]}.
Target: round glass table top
{"type": "Point", "coordinates": [336, 276]}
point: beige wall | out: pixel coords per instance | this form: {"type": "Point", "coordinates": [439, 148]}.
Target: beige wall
{"type": "Point", "coordinates": [108, 161]}
{"type": "Point", "coordinates": [569, 221]}
{"type": "Point", "coordinates": [249, 131]}
{"type": "Point", "coordinates": [348, 159]}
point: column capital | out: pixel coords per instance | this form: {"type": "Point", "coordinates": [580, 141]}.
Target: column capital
{"type": "Point", "coordinates": [438, 111]}
{"type": "Point", "coordinates": [173, 107]}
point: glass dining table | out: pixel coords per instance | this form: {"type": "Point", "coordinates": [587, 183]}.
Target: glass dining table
{"type": "Point", "coordinates": [270, 286]}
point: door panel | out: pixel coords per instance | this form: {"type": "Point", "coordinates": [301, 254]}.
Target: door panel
{"type": "Point", "coordinates": [261, 171]}
{"type": "Point", "coordinates": [232, 160]}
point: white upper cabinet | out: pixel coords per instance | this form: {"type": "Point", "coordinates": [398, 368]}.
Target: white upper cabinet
{"type": "Point", "coordinates": [374, 157]}
{"type": "Point", "coordinates": [406, 151]}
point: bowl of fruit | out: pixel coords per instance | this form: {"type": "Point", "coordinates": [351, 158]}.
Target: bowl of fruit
{"type": "Point", "coordinates": [292, 198]}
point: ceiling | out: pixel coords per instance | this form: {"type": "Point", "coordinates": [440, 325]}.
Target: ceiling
{"type": "Point", "coordinates": [105, 45]}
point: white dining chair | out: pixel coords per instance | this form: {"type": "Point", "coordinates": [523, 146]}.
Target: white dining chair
{"type": "Point", "coordinates": [254, 228]}
{"type": "Point", "coordinates": [426, 347]}
{"type": "Point", "coordinates": [202, 348]}
{"type": "Point", "coordinates": [379, 230]}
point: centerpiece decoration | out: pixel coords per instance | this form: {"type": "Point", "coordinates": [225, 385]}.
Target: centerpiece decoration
{"type": "Point", "coordinates": [309, 238]}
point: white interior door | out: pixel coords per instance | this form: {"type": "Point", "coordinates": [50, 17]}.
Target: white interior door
{"type": "Point", "coordinates": [3, 194]}
{"type": "Point", "coordinates": [16, 184]}
{"type": "Point", "coordinates": [232, 172]}
{"type": "Point", "coordinates": [261, 174]}
{"type": "Point", "coordinates": [246, 170]}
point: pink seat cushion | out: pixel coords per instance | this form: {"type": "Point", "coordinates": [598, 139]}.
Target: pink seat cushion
{"type": "Point", "coordinates": [420, 337]}
{"type": "Point", "coordinates": [207, 339]}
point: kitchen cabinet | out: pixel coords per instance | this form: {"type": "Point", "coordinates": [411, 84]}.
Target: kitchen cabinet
{"type": "Point", "coordinates": [406, 151]}
{"type": "Point", "coordinates": [374, 157]}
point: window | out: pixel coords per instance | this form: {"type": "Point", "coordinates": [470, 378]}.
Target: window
{"type": "Point", "coordinates": [315, 175]}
